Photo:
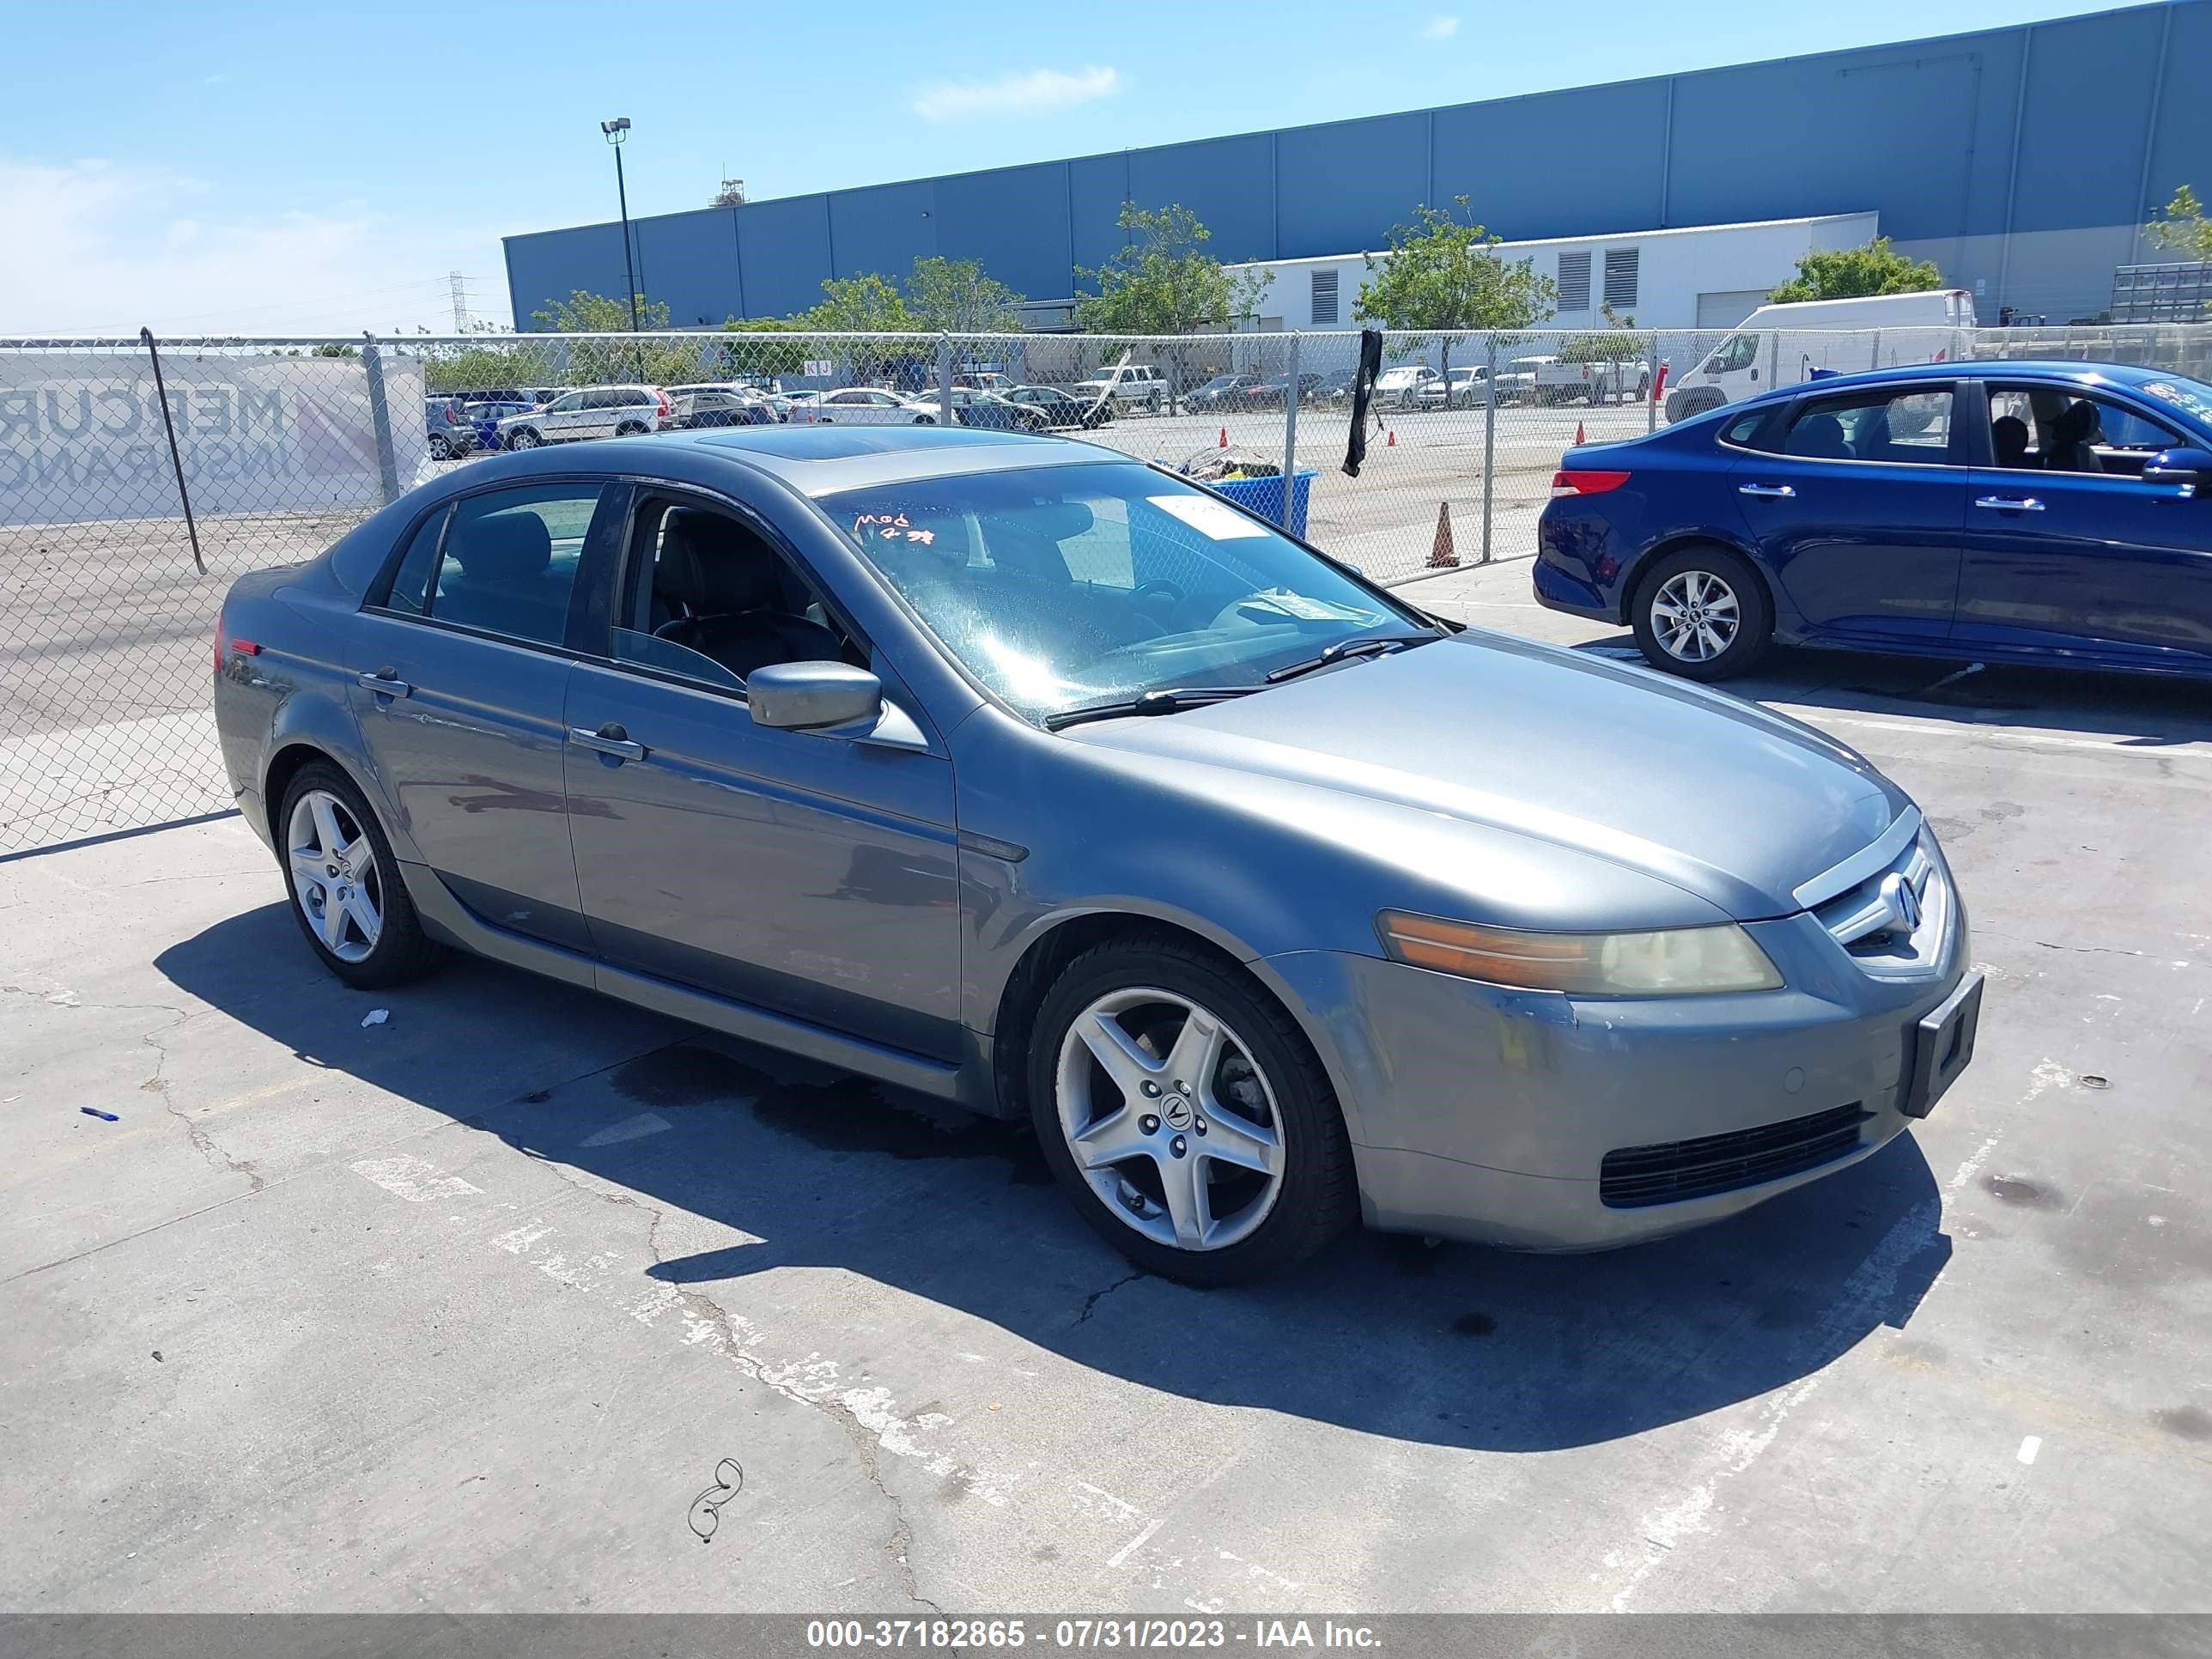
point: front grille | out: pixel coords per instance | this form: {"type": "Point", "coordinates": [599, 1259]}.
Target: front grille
{"type": "Point", "coordinates": [1634, 1176]}
{"type": "Point", "coordinates": [1864, 919]}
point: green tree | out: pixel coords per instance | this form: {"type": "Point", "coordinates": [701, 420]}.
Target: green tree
{"type": "Point", "coordinates": [1163, 281]}
{"type": "Point", "coordinates": [763, 356]}
{"type": "Point", "coordinates": [1440, 278]}
{"type": "Point", "coordinates": [1851, 273]}
{"type": "Point", "coordinates": [583, 312]}
{"type": "Point", "coordinates": [1618, 342]}
{"type": "Point", "coordinates": [858, 305]}
{"type": "Point", "coordinates": [2181, 225]}
{"type": "Point", "coordinates": [954, 295]}
{"type": "Point", "coordinates": [597, 362]}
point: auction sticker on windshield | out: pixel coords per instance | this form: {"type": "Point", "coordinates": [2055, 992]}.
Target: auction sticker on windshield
{"type": "Point", "coordinates": [1209, 518]}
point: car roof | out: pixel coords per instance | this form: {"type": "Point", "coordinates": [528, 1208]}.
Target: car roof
{"type": "Point", "coordinates": [822, 460]}
{"type": "Point", "coordinates": [1979, 368]}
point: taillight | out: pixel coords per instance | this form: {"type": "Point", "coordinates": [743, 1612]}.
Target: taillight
{"type": "Point", "coordinates": [663, 405]}
{"type": "Point", "coordinates": [1583, 480]}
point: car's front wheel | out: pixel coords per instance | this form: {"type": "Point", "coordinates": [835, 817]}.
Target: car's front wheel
{"type": "Point", "coordinates": [523, 438]}
{"type": "Point", "coordinates": [346, 893]}
{"type": "Point", "coordinates": [1701, 612]}
{"type": "Point", "coordinates": [1185, 1116]}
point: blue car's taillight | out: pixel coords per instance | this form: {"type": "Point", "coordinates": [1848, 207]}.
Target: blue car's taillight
{"type": "Point", "coordinates": [1584, 481]}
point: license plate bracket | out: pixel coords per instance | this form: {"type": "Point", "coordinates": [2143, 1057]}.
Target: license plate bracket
{"type": "Point", "coordinates": [1942, 1045]}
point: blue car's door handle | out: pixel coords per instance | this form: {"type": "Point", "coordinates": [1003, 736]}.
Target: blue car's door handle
{"type": "Point", "coordinates": [609, 739]}
{"type": "Point", "coordinates": [2009, 504]}
{"type": "Point", "coordinates": [385, 683]}
{"type": "Point", "coordinates": [1774, 492]}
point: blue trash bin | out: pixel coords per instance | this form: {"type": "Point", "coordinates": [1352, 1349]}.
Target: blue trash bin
{"type": "Point", "coordinates": [1265, 497]}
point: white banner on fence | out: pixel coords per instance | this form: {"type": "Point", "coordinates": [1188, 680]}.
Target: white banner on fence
{"type": "Point", "coordinates": [82, 437]}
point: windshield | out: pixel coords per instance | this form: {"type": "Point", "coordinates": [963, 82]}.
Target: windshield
{"type": "Point", "coordinates": [1059, 587]}
{"type": "Point", "coordinates": [2180, 393]}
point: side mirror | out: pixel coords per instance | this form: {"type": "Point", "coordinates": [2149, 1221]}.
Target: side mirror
{"type": "Point", "coordinates": [2184, 466]}
{"type": "Point", "coordinates": [804, 696]}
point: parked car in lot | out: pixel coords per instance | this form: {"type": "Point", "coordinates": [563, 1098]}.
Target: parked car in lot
{"type": "Point", "coordinates": [696, 406]}
{"type": "Point", "coordinates": [1469, 389]}
{"type": "Point", "coordinates": [483, 419]}
{"type": "Point", "coordinates": [863, 405]}
{"type": "Point", "coordinates": [2018, 512]}
{"type": "Point", "coordinates": [985, 408]}
{"type": "Point", "coordinates": [1333, 389]}
{"type": "Point", "coordinates": [598, 411]}
{"type": "Point", "coordinates": [1401, 388]}
{"type": "Point", "coordinates": [1061, 409]}
{"type": "Point", "coordinates": [1221, 392]}
{"type": "Point", "coordinates": [898, 749]}
{"type": "Point", "coordinates": [1272, 392]}
{"type": "Point", "coordinates": [446, 429]}
{"type": "Point", "coordinates": [1133, 385]}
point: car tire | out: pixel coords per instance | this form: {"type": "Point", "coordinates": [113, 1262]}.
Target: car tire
{"type": "Point", "coordinates": [441, 448]}
{"type": "Point", "coordinates": [1702, 613]}
{"type": "Point", "coordinates": [925, 419]}
{"type": "Point", "coordinates": [1153, 987]}
{"type": "Point", "coordinates": [331, 848]}
{"type": "Point", "coordinates": [631, 429]}
{"type": "Point", "coordinates": [524, 437]}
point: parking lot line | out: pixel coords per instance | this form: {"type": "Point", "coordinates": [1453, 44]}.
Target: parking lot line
{"type": "Point", "coordinates": [2000, 737]}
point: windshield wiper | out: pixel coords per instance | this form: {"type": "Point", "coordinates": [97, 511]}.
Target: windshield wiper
{"type": "Point", "coordinates": [1163, 700]}
{"type": "Point", "coordinates": [1365, 645]}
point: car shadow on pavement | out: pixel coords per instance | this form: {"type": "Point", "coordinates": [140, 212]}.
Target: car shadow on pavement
{"type": "Point", "coordinates": [1448, 1345]}
{"type": "Point", "coordinates": [2131, 710]}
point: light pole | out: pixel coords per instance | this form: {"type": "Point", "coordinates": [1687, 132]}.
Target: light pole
{"type": "Point", "coordinates": [616, 131]}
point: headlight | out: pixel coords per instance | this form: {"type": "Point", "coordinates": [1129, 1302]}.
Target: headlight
{"type": "Point", "coordinates": [1672, 962]}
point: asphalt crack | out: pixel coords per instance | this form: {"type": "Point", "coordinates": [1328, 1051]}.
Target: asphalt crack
{"type": "Point", "coordinates": [1091, 1302]}
{"type": "Point", "coordinates": [900, 1546]}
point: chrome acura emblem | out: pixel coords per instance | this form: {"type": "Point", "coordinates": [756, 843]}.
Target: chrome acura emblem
{"type": "Point", "coordinates": [1901, 902]}
{"type": "Point", "coordinates": [1177, 1112]}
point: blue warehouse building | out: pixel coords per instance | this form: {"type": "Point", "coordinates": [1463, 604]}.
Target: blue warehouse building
{"type": "Point", "coordinates": [2023, 161]}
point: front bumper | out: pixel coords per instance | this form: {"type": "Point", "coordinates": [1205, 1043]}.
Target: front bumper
{"type": "Point", "coordinates": [1484, 1113]}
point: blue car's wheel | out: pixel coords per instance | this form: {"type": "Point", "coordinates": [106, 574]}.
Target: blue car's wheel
{"type": "Point", "coordinates": [1701, 612]}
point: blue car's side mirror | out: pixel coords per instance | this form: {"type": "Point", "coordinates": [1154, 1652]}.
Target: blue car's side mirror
{"type": "Point", "coordinates": [2185, 466]}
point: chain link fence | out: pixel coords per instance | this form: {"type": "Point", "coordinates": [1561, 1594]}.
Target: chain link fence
{"type": "Point", "coordinates": [139, 478]}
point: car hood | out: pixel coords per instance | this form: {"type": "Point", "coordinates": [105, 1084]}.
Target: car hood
{"type": "Point", "coordinates": [1721, 798]}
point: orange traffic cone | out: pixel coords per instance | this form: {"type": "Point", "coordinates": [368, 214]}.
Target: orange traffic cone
{"type": "Point", "coordinates": [1443, 557]}
{"type": "Point", "coordinates": [1578, 433]}
{"type": "Point", "coordinates": [1224, 444]}
{"type": "Point", "coordinates": [1390, 438]}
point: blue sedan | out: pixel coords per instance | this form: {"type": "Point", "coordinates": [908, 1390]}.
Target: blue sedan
{"type": "Point", "coordinates": [2012, 512]}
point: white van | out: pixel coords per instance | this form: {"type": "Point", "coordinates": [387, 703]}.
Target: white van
{"type": "Point", "coordinates": [1782, 345]}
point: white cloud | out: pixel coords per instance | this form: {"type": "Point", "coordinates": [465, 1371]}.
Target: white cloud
{"type": "Point", "coordinates": [118, 248]}
{"type": "Point", "coordinates": [1440, 27]}
{"type": "Point", "coordinates": [1030, 92]}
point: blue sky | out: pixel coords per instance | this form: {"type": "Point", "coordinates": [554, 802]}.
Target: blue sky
{"type": "Point", "coordinates": [261, 168]}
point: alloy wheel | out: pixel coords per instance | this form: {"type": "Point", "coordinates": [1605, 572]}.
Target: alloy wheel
{"type": "Point", "coordinates": [1169, 1120]}
{"type": "Point", "coordinates": [336, 879]}
{"type": "Point", "coordinates": [1696, 616]}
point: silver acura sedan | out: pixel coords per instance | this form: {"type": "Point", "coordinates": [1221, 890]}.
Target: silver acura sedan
{"type": "Point", "coordinates": [1017, 772]}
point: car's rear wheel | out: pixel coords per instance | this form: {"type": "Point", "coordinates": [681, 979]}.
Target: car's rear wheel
{"type": "Point", "coordinates": [441, 448]}
{"type": "Point", "coordinates": [524, 437]}
{"type": "Point", "coordinates": [347, 892]}
{"type": "Point", "coordinates": [630, 429]}
{"type": "Point", "coordinates": [1702, 612]}
{"type": "Point", "coordinates": [1185, 1116]}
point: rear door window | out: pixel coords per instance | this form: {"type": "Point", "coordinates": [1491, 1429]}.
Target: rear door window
{"type": "Point", "coordinates": [506, 563]}
{"type": "Point", "coordinates": [1896, 425]}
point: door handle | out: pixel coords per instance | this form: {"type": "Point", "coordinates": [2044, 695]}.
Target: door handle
{"type": "Point", "coordinates": [2009, 504]}
{"type": "Point", "coordinates": [386, 683]}
{"type": "Point", "coordinates": [609, 739]}
{"type": "Point", "coordinates": [1769, 492]}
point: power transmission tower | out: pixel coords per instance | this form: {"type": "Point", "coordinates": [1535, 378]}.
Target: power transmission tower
{"type": "Point", "coordinates": [461, 302]}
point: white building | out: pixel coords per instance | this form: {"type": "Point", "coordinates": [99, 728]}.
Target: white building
{"type": "Point", "coordinates": [1701, 276]}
